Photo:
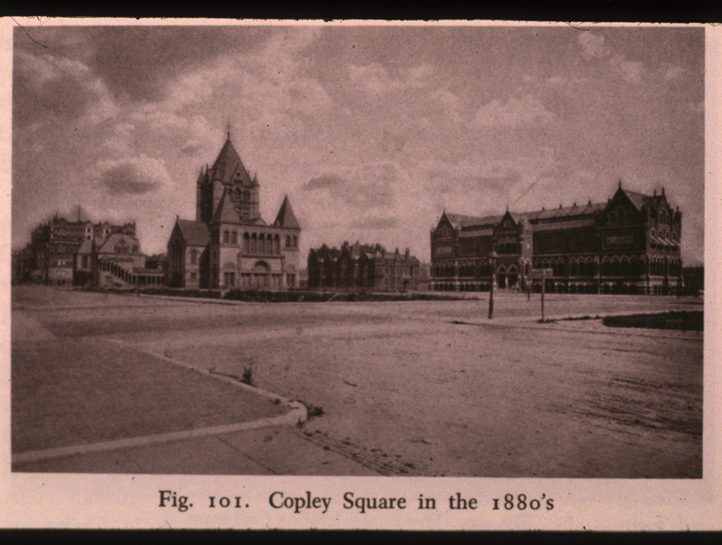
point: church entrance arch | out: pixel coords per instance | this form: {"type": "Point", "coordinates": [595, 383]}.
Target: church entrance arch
{"type": "Point", "coordinates": [513, 276]}
{"type": "Point", "coordinates": [260, 275]}
{"type": "Point", "coordinates": [501, 277]}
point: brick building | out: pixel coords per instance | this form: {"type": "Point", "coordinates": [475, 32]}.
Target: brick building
{"type": "Point", "coordinates": [357, 266]}
{"type": "Point", "coordinates": [629, 244]}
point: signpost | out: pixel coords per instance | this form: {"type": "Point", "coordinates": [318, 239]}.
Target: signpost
{"type": "Point", "coordinates": [542, 274]}
{"type": "Point", "coordinates": [492, 263]}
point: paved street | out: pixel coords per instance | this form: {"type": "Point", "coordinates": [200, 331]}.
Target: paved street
{"type": "Point", "coordinates": [148, 385]}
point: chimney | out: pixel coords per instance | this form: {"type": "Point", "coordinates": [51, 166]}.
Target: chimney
{"type": "Point", "coordinates": [408, 253]}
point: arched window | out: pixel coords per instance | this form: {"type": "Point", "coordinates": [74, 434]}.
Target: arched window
{"type": "Point", "coordinates": [234, 237]}
{"type": "Point", "coordinates": [246, 243]}
{"type": "Point", "coordinates": [194, 257]}
{"type": "Point", "coordinates": [288, 241]}
{"type": "Point", "coordinates": [625, 267]}
{"type": "Point", "coordinates": [261, 244]}
{"type": "Point", "coordinates": [620, 214]}
{"type": "Point", "coordinates": [607, 267]}
{"type": "Point", "coordinates": [629, 216]}
{"type": "Point", "coordinates": [225, 237]}
{"type": "Point", "coordinates": [573, 271]}
{"type": "Point", "coordinates": [616, 270]}
{"type": "Point", "coordinates": [295, 241]}
{"type": "Point", "coordinates": [254, 244]}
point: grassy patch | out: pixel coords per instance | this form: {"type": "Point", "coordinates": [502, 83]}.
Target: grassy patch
{"type": "Point", "coordinates": [299, 296]}
{"type": "Point", "coordinates": [312, 411]}
{"type": "Point", "coordinates": [682, 320]}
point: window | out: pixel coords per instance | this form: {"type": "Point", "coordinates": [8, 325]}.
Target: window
{"type": "Point", "coordinates": [225, 237]}
{"type": "Point", "coordinates": [288, 241]}
{"type": "Point", "coordinates": [194, 257]}
{"type": "Point", "coordinates": [234, 237]}
{"type": "Point", "coordinates": [295, 241]}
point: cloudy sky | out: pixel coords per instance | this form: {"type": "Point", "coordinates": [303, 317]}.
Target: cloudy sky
{"type": "Point", "coordinates": [371, 130]}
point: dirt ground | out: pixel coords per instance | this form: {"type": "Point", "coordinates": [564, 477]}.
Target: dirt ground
{"type": "Point", "coordinates": [435, 385]}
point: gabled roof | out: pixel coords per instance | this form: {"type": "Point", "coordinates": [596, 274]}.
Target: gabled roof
{"type": "Point", "coordinates": [286, 218]}
{"type": "Point", "coordinates": [195, 233]}
{"type": "Point", "coordinates": [225, 211]}
{"type": "Point", "coordinates": [86, 248]}
{"type": "Point", "coordinates": [638, 199]}
{"type": "Point", "coordinates": [565, 211]}
{"type": "Point", "coordinates": [228, 164]}
{"type": "Point", "coordinates": [108, 246]}
{"type": "Point", "coordinates": [457, 220]}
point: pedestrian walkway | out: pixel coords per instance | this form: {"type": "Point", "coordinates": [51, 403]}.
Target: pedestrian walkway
{"type": "Point", "coordinates": [271, 450]}
{"type": "Point", "coordinates": [93, 406]}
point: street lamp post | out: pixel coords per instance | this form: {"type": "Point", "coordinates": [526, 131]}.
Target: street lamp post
{"type": "Point", "coordinates": [492, 261]}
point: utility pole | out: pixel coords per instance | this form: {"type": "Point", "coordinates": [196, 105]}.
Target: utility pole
{"type": "Point", "coordinates": [492, 261]}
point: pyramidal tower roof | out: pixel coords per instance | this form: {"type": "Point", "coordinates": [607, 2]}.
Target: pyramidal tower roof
{"type": "Point", "coordinates": [228, 164]}
{"type": "Point", "coordinates": [225, 212]}
{"type": "Point", "coordinates": [286, 217]}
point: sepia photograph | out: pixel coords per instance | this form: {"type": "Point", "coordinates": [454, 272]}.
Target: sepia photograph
{"type": "Point", "coordinates": [455, 251]}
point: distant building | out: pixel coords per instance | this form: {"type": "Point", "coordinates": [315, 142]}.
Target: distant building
{"type": "Point", "coordinates": [229, 245]}
{"type": "Point", "coordinates": [55, 244]}
{"type": "Point", "coordinates": [693, 279]}
{"type": "Point", "coordinates": [629, 244]}
{"type": "Point", "coordinates": [78, 251]}
{"type": "Point", "coordinates": [357, 266]}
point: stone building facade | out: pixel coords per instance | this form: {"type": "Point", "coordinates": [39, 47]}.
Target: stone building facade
{"type": "Point", "coordinates": [229, 245]}
{"type": "Point", "coordinates": [367, 266]}
{"type": "Point", "coordinates": [629, 244]}
{"type": "Point", "coordinates": [64, 252]}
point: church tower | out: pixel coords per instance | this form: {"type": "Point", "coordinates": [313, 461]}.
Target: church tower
{"type": "Point", "coordinates": [227, 174]}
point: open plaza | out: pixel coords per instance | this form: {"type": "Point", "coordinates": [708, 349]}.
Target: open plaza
{"type": "Point", "coordinates": [121, 383]}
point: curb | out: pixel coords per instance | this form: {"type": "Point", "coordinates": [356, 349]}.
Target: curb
{"type": "Point", "coordinates": [61, 452]}
{"type": "Point", "coordinates": [298, 410]}
{"type": "Point", "coordinates": [297, 415]}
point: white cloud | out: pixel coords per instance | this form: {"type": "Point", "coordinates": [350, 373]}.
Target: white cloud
{"type": "Point", "coordinates": [375, 79]}
{"type": "Point", "coordinates": [132, 175]}
{"type": "Point", "coordinates": [513, 113]}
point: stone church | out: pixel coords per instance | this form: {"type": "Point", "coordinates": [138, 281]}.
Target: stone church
{"type": "Point", "coordinates": [229, 245]}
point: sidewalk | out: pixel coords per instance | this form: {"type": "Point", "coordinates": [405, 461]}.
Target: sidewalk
{"type": "Point", "coordinates": [93, 406]}
{"type": "Point", "coordinates": [279, 450]}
